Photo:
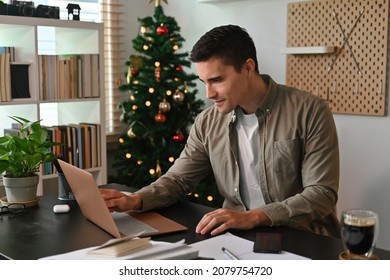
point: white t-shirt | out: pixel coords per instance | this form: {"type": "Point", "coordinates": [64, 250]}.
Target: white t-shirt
{"type": "Point", "coordinates": [247, 128]}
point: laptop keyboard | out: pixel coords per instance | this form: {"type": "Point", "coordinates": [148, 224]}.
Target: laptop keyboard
{"type": "Point", "coordinates": [128, 225]}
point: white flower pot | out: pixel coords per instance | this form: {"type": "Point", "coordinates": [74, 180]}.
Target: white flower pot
{"type": "Point", "coordinates": [22, 189]}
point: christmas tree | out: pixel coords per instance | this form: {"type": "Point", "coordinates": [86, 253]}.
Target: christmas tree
{"type": "Point", "coordinates": [162, 105]}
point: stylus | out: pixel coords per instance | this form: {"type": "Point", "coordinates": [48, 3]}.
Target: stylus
{"type": "Point", "coordinates": [229, 254]}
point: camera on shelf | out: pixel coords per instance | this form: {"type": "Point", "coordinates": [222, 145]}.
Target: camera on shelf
{"type": "Point", "coordinates": [44, 11]}
{"type": "Point", "coordinates": [3, 8]}
{"type": "Point", "coordinates": [21, 8]}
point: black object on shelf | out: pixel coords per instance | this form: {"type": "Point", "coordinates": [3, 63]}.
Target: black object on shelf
{"type": "Point", "coordinates": [20, 85]}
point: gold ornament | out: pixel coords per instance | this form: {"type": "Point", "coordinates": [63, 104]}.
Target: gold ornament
{"type": "Point", "coordinates": [134, 67]}
{"type": "Point", "coordinates": [131, 134]}
{"type": "Point", "coordinates": [158, 2]}
{"type": "Point", "coordinates": [178, 96]}
{"type": "Point", "coordinates": [164, 106]}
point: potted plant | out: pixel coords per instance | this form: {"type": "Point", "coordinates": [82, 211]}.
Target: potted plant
{"type": "Point", "coordinates": [21, 156]}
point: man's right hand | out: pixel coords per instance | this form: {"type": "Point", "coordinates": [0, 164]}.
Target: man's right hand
{"type": "Point", "coordinates": [120, 202]}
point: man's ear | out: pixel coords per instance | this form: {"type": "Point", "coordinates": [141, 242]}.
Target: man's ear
{"type": "Point", "coordinates": [249, 66]}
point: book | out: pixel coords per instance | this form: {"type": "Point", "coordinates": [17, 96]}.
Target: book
{"type": "Point", "coordinates": [86, 73]}
{"type": "Point", "coordinates": [2, 80]}
{"type": "Point", "coordinates": [20, 85]}
{"type": "Point", "coordinates": [95, 75]}
{"type": "Point", "coordinates": [10, 50]}
{"type": "Point", "coordinates": [121, 246]}
{"type": "Point", "coordinates": [95, 140]}
{"type": "Point", "coordinates": [5, 77]}
{"type": "Point", "coordinates": [80, 140]}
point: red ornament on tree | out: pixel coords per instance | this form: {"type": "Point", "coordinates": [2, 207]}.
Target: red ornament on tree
{"type": "Point", "coordinates": [179, 68]}
{"type": "Point", "coordinates": [160, 118]}
{"type": "Point", "coordinates": [178, 137]}
{"type": "Point", "coordinates": [162, 30]}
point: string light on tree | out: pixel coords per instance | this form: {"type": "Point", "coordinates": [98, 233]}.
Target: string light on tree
{"type": "Point", "coordinates": [157, 71]}
{"type": "Point", "coordinates": [158, 169]}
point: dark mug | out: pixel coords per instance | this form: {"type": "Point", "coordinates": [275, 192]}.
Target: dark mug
{"type": "Point", "coordinates": [359, 232]}
{"type": "Point", "coordinates": [64, 190]}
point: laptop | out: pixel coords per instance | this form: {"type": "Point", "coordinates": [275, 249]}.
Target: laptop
{"type": "Point", "coordinates": [93, 207]}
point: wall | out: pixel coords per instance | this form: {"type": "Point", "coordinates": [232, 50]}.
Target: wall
{"type": "Point", "coordinates": [364, 141]}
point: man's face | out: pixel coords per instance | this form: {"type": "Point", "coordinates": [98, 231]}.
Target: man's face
{"type": "Point", "coordinates": [224, 85]}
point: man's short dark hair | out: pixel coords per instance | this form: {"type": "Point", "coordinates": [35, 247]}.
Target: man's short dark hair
{"type": "Point", "coordinates": [231, 43]}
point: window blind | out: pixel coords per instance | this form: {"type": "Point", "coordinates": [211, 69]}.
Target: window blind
{"type": "Point", "coordinates": [110, 13]}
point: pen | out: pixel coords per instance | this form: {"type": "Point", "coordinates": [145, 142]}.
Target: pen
{"type": "Point", "coordinates": [229, 254]}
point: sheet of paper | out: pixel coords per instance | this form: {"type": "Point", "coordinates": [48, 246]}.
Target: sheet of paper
{"type": "Point", "coordinates": [158, 250]}
{"type": "Point", "coordinates": [240, 247]}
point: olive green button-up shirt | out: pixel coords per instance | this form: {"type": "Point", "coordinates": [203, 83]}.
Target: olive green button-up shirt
{"type": "Point", "coordinates": [298, 168]}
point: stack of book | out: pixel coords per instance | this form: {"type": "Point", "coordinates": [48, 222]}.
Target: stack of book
{"type": "Point", "coordinates": [68, 77]}
{"type": "Point", "coordinates": [7, 55]}
{"type": "Point", "coordinates": [80, 145]}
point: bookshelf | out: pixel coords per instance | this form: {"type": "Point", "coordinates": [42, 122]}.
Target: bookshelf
{"type": "Point", "coordinates": [34, 38]}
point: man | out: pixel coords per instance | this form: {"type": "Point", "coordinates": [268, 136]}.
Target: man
{"type": "Point", "coordinates": [273, 149]}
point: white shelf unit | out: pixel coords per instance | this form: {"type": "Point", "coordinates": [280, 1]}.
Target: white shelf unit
{"type": "Point", "coordinates": [40, 36]}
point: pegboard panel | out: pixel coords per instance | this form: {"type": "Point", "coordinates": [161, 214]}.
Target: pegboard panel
{"type": "Point", "coordinates": [352, 78]}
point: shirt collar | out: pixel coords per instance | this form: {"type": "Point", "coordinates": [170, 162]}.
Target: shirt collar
{"type": "Point", "coordinates": [268, 102]}
{"type": "Point", "coordinates": [270, 97]}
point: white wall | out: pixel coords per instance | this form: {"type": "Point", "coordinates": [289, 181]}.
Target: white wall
{"type": "Point", "coordinates": [364, 141]}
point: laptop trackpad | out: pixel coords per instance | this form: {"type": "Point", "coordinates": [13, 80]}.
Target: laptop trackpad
{"type": "Point", "coordinates": [128, 225]}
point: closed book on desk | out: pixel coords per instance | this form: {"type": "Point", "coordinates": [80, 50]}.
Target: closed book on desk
{"type": "Point", "coordinates": [122, 246]}
{"type": "Point", "coordinates": [158, 250]}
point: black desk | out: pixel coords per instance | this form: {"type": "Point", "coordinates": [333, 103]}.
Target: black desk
{"type": "Point", "coordinates": [38, 232]}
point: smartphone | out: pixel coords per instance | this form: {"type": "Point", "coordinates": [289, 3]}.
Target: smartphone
{"type": "Point", "coordinates": [268, 242]}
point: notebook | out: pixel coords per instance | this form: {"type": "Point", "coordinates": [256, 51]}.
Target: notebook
{"type": "Point", "coordinates": [93, 207]}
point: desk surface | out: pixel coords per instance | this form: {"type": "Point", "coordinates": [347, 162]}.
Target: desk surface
{"type": "Point", "coordinates": [38, 232]}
